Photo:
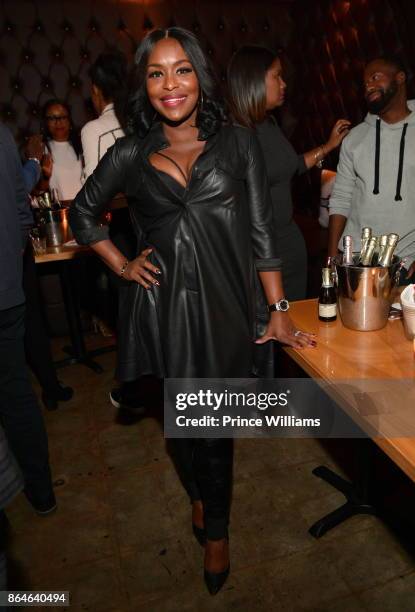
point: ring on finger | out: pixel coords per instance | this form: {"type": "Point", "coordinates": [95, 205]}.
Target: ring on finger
{"type": "Point", "coordinates": [297, 333]}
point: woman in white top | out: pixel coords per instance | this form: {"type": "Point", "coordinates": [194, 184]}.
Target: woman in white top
{"type": "Point", "coordinates": [64, 146]}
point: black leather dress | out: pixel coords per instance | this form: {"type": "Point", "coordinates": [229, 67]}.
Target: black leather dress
{"type": "Point", "coordinates": [209, 241]}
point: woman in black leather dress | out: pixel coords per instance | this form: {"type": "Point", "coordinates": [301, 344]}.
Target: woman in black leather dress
{"type": "Point", "coordinates": [199, 200]}
{"type": "Point", "coordinates": [256, 87]}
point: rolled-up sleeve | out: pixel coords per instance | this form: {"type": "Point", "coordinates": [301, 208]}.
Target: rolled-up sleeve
{"type": "Point", "coordinates": [105, 182]}
{"type": "Point", "coordinates": [262, 226]}
{"type": "Point", "coordinates": [344, 185]}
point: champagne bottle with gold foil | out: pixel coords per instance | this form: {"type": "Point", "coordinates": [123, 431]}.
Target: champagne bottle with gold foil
{"type": "Point", "coordinates": [385, 259]}
{"type": "Point", "coordinates": [367, 257]}
{"type": "Point", "coordinates": [46, 197]}
{"type": "Point", "coordinates": [366, 236]}
{"type": "Point", "coordinates": [347, 251]}
{"type": "Point", "coordinates": [327, 302]}
{"type": "Point", "coordinates": [382, 242]}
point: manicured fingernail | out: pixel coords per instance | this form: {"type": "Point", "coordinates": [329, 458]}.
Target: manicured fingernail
{"type": "Point", "coordinates": [157, 283]}
{"type": "Point", "coordinates": [158, 271]}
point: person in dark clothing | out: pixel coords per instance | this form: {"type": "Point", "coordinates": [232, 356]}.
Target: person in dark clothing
{"type": "Point", "coordinates": [198, 192]}
{"type": "Point", "coordinates": [11, 483]}
{"type": "Point", "coordinates": [37, 343]}
{"type": "Point", "coordinates": [20, 413]}
{"type": "Point", "coordinates": [108, 76]}
{"type": "Point", "coordinates": [256, 87]}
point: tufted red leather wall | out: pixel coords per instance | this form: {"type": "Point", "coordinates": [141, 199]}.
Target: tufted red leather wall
{"type": "Point", "coordinates": [47, 46]}
{"type": "Point", "coordinates": [337, 38]}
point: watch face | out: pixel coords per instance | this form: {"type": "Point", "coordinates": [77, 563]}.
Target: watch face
{"type": "Point", "coordinates": [284, 305]}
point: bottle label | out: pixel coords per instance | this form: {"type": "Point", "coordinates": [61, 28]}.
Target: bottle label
{"type": "Point", "coordinates": [327, 310]}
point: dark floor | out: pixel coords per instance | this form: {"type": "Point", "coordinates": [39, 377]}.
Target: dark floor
{"type": "Point", "coordinates": [120, 540]}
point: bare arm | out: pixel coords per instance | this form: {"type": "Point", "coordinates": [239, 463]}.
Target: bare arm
{"type": "Point", "coordinates": [336, 227]}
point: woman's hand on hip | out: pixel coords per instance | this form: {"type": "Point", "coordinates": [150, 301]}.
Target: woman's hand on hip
{"type": "Point", "coordinates": [282, 329]}
{"type": "Point", "coordinates": [141, 270]}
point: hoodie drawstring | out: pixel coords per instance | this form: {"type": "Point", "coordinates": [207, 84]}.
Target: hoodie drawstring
{"type": "Point", "coordinates": [377, 157]}
{"type": "Point", "coordinates": [400, 168]}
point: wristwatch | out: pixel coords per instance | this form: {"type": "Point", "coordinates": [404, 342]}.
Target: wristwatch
{"type": "Point", "coordinates": [280, 306]}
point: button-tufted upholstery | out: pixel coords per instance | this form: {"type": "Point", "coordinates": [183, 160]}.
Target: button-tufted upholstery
{"type": "Point", "coordinates": [47, 47]}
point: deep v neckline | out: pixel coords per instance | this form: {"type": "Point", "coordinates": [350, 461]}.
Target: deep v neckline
{"type": "Point", "coordinates": [179, 168]}
{"type": "Point", "coordinates": [173, 178]}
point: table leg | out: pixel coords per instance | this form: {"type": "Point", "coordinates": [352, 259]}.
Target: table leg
{"type": "Point", "coordinates": [77, 350]}
{"type": "Point", "coordinates": [356, 494]}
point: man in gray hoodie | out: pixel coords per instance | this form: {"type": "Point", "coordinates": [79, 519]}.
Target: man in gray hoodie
{"type": "Point", "coordinates": [375, 182]}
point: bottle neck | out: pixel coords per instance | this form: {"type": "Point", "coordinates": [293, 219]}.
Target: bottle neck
{"type": "Point", "coordinates": [326, 278]}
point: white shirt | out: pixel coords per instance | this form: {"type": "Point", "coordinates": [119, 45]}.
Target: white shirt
{"type": "Point", "coordinates": [97, 136]}
{"type": "Point", "coordinates": [67, 170]}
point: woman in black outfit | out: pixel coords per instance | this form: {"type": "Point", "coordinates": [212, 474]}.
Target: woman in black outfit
{"type": "Point", "coordinates": [256, 87]}
{"type": "Point", "coordinates": [197, 190]}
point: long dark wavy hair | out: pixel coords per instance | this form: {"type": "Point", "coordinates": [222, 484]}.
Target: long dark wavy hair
{"type": "Point", "coordinates": [246, 84]}
{"type": "Point", "coordinates": [140, 113]}
{"type": "Point", "coordinates": [74, 138]}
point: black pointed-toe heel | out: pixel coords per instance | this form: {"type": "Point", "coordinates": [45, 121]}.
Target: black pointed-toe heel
{"type": "Point", "coordinates": [215, 582]}
{"type": "Point", "coordinates": [200, 534]}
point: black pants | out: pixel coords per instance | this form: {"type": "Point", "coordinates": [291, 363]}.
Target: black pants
{"type": "Point", "coordinates": [37, 343]}
{"type": "Point", "coordinates": [205, 468]}
{"type": "Point", "coordinates": [20, 413]}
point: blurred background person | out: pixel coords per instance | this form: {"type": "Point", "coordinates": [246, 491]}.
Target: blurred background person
{"type": "Point", "coordinates": [19, 410]}
{"type": "Point", "coordinates": [375, 180]}
{"type": "Point", "coordinates": [109, 76]}
{"type": "Point", "coordinates": [37, 343]}
{"type": "Point", "coordinates": [11, 483]}
{"type": "Point", "coordinates": [63, 145]}
{"type": "Point", "coordinates": [256, 88]}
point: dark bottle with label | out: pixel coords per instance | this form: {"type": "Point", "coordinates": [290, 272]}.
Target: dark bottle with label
{"type": "Point", "coordinates": [327, 302]}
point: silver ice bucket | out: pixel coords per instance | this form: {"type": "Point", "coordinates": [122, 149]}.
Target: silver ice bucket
{"type": "Point", "coordinates": [364, 294]}
{"type": "Point", "coordinates": [54, 225]}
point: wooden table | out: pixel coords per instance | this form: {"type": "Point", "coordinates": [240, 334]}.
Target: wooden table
{"type": "Point", "coordinates": [65, 255]}
{"type": "Point", "coordinates": [365, 358]}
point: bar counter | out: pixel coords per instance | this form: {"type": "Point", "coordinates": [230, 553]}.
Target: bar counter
{"type": "Point", "coordinates": [344, 354]}
{"type": "Point", "coordinates": [370, 375]}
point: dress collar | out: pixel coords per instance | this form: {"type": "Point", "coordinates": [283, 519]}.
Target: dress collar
{"type": "Point", "coordinates": [109, 107]}
{"type": "Point", "coordinates": [155, 140]}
